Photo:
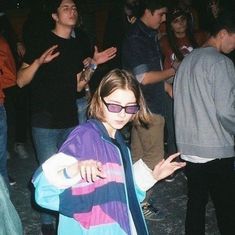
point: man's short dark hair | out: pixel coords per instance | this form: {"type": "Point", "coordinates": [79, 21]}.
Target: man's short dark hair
{"type": "Point", "coordinates": [54, 5]}
{"type": "Point", "coordinates": [151, 5]}
{"type": "Point", "coordinates": [225, 20]}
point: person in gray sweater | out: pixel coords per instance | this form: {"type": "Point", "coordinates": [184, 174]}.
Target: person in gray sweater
{"type": "Point", "coordinates": [204, 94]}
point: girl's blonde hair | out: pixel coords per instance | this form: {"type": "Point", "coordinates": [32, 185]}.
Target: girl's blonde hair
{"type": "Point", "coordinates": [118, 79]}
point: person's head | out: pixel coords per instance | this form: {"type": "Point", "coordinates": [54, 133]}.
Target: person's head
{"type": "Point", "coordinates": [214, 7]}
{"type": "Point", "coordinates": [64, 12]}
{"type": "Point", "coordinates": [118, 100]}
{"type": "Point", "coordinates": [177, 21]}
{"type": "Point", "coordinates": [153, 12]}
{"type": "Point", "coordinates": [223, 31]}
{"type": "Point", "coordinates": [131, 7]}
{"type": "Point", "coordinates": [177, 26]}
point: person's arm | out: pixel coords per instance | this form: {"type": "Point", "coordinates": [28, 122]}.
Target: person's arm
{"type": "Point", "coordinates": [7, 66]}
{"type": "Point", "coordinates": [100, 57]}
{"type": "Point", "coordinates": [63, 171]}
{"type": "Point", "coordinates": [90, 65]}
{"type": "Point", "coordinates": [163, 169]}
{"type": "Point", "coordinates": [141, 64]}
{"type": "Point", "coordinates": [27, 72]}
{"type": "Point", "coordinates": [223, 93]}
{"type": "Point", "coordinates": [85, 76]}
{"type": "Point", "coordinates": [157, 76]}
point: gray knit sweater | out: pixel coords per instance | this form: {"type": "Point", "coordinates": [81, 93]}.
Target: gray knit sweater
{"type": "Point", "coordinates": [204, 106]}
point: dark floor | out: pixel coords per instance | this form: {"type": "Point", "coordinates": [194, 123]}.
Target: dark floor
{"type": "Point", "coordinates": [170, 198]}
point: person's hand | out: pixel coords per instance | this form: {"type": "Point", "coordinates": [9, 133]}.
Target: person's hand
{"type": "Point", "coordinates": [48, 55]}
{"type": "Point", "coordinates": [104, 56]}
{"type": "Point", "coordinates": [20, 49]}
{"type": "Point", "coordinates": [86, 62]}
{"type": "Point", "coordinates": [91, 170]}
{"type": "Point", "coordinates": [166, 167]}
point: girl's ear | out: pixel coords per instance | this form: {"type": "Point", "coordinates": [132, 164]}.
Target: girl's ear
{"type": "Point", "coordinates": [54, 16]}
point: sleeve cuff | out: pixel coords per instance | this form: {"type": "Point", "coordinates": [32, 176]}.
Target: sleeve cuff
{"type": "Point", "coordinates": [143, 175]}
{"type": "Point", "coordinates": [52, 169]}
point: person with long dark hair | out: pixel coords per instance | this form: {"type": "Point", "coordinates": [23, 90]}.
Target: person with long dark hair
{"type": "Point", "coordinates": [179, 41]}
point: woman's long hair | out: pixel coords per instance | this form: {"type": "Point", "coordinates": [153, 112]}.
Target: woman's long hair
{"type": "Point", "coordinates": [171, 35]}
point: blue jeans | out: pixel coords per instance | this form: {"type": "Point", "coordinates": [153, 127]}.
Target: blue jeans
{"type": "Point", "coordinates": [47, 142]}
{"type": "Point", "coordinates": [10, 224]}
{"type": "Point", "coordinates": [3, 144]}
{"type": "Point", "coordinates": [82, 109]}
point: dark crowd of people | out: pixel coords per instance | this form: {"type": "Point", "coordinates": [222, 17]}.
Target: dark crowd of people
{"type": "Point", "coordinates": [108, 123]}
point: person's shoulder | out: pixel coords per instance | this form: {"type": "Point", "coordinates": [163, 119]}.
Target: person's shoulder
{"type": "Point", "coordinates": [134, 29]}
{"type": "Point", "coordinates": [3, 42]}
{"type": "Point", "coordinates": [87, 128]}
{"type": "Point", "coordinates": [4, 48]}
{"type": "Point", "coordinates": [210, 55]}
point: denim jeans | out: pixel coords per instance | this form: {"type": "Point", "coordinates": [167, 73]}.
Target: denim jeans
{"type": "Point", "coordinates": [47, 142]}
{"type": "Point", "coordinates": [82, 109]}
{"type": "Point", "coordinates": [10, 223]}
{"type": "Point", "coordinates": [3, 144]}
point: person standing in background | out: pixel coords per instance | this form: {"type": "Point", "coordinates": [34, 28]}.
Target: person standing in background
{"type": "Point", "coordinates": [178, 42]}
{"type": "Point", "coordinates": [7, 79]}
{"type": "Point", "coordinates": [55, 75]}
{"type": "Point", "coordinates": [16, 100]}
{"type": "Point", "coordinates": [141, 55]}
{"type": "Point", "coordinates": [204, 111]}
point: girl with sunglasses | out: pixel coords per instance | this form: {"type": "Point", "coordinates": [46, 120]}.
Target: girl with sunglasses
{"type": "Point", "coordinates": [91, 180]}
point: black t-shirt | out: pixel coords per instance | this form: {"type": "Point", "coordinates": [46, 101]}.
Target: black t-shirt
{"type": "Point", "coordinates": [53, 88]}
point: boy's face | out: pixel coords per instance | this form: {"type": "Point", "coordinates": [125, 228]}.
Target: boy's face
{"type": "Point", "coordinates": [67, 14]}
{"type": "Point", "coordinates": [155, 19]}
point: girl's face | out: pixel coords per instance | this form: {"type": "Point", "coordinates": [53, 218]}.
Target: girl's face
{"type": "Point", "coordinates": [179, 24]}
{"type": "Point", "coordinates": [112, 105]}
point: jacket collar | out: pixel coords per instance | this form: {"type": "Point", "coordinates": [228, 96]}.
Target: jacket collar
{"type": "Point", "coordinates": [104, 133]}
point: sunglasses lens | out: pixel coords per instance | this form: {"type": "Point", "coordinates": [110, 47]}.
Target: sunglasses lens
{"type": "Point", "coordinates": [132, 109]}
{"type": "Point", "coordinates": [114, 108]}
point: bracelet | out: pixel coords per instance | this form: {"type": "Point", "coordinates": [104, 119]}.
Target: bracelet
{"type": "Point", "coordinates": [92, 66]}
{"type": "Point", "coordinates": [66, 174]}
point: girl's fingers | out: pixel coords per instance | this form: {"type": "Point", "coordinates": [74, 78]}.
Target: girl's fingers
{"type": "Point", "coordinates": [172, 157]}
{"type": "Point", "coordinates": [90, 170]}
{"type": "Point", "coordinates": [83, 171]}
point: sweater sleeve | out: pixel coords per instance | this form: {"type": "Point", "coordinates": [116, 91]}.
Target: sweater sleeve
{"type": "Point", "coordinates": [49, 184]}
{"type": "Point", "coordinates": [143, 175]}
{"type": "Point", "coordinates": [224, 94]}
{"type": "Point", "coordinates": [52, 170]}
{"type": "Point", "coordinates": [7, 66]}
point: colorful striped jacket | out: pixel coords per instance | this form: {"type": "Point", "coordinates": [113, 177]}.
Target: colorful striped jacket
{"type": "Point", "coordinates": [106, 206]}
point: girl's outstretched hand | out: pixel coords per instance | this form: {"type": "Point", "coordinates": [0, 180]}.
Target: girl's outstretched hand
{"type": "Point", "coordinates": [90, 170]}
{"type": "Point", "coordinates": [166, 167]}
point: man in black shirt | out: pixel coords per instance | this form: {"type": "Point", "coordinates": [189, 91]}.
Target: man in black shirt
{"type": "Point", "coordinates": [54, 76]}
